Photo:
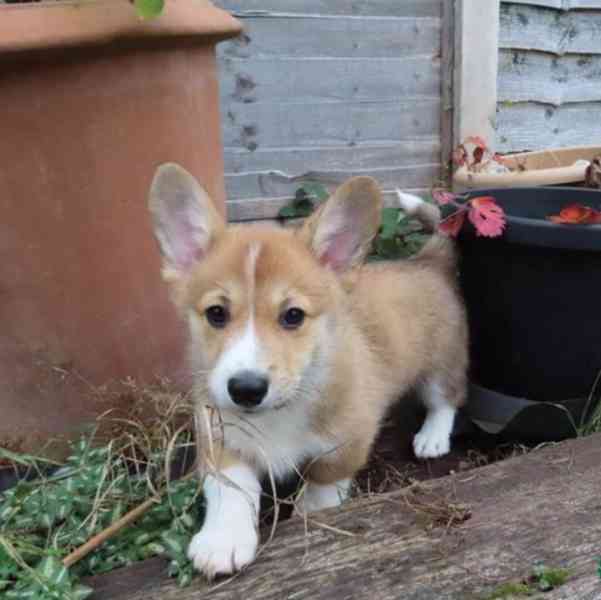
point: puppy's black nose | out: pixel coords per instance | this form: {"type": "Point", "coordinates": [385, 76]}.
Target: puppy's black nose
{"type": "Point", "coordinates": [248, 388]}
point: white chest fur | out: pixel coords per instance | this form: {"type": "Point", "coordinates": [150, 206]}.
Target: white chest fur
{"type": "Point", "coordinates": [280, 441]}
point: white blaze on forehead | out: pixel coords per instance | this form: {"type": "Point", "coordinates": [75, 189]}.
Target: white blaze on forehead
{"type": "Point", "coordinates": [254, 249]}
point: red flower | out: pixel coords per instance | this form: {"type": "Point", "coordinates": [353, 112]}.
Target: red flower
{"type": "Point", "coordinates": [487, 216]}
{"type": "Point", "coordinates": [577, 214]}
{"type": "Point", "coordinates": [476, 140]}
{"type": "Point", "coordinates": [452, 225]}
{"type": "Point", "coordinates": [595, 218]}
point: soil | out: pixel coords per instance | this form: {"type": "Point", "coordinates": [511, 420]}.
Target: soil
{"type": "Point", "coordinates": [393, 465]}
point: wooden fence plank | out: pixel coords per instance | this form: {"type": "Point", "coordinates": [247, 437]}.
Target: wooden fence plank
{"type": "Point", "coordinates": [342, 37]}
{"type": "Point", "coordinates": [277, 184]}
{"type": "Point", "coordinates": [259, 125]}
{"type": "Point", "coordinates": [560, 4]}
{"type": "Point", "coordinates": [316, 80]}
{"type": "Point", "coordinates": [530, 126]}
{"type": "Point", "coordinates": [361, 8]}
{"type": "Point", "coordinates": [530, 28]}
{"type": "Point", "coordinates": [299, 159]}
{"type": "Point", "coordinates": [537, 77]}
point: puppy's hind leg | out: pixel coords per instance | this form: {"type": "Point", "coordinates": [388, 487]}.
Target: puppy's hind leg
{"type": "Point", "coordinates": [434, 438]}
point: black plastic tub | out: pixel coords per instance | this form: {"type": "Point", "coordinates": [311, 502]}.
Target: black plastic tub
{"type": "Point", "coordinates": [534, 297]}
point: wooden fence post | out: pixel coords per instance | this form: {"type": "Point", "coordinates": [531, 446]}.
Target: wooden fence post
{"type": "Point", "coordinates": [476, 25]}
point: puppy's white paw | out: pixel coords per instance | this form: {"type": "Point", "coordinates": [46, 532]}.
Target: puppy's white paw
{"type": "Point", "coordinates": [223, 550]}
{"type": "Point", "coordinates": [430, 443]}
{"type": "Point", "coordinates": [434, 438]}
{"type": "Point", "coordinates": [229, 537]}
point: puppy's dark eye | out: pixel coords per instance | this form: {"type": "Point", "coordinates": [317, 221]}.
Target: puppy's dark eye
{"type": "Point", "coordinates": [217, 316]}
{"type": "Point", "coordinates": [292, 318]}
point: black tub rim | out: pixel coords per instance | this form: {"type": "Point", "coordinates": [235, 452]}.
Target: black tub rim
{"type": "Point", "coordinates": [532, 231]}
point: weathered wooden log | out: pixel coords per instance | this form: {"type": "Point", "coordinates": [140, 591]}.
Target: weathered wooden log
{"type": "Point", "coordinates": [458, 537]}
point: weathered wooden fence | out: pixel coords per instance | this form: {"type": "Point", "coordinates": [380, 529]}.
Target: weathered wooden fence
{"type": "Point", "coordinates": [331, 89]}
{"type": "Point", "coordinates": [549, 82]}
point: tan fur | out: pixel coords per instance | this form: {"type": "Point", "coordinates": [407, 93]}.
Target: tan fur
{"type": "Point", "coordinates": [404, 322]}
{"type": "Point", "coordinates": [393, 325]}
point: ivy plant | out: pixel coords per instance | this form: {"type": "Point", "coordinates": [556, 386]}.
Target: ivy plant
{"type": "Point", "coordinates": [42, 520]}
{"type": "Point", "coordinates": [399, 236]}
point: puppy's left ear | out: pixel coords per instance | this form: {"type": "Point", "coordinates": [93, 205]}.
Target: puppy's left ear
{"type": "Point", "coordinates": [340, 233]}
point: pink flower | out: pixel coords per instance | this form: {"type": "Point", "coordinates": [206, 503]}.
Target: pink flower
{"type": "Point", "coordinates": [443, 197]}
{"type": "Point", "coordinates": [487, 216]}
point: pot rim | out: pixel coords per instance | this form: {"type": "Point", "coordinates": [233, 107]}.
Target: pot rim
{"type": "Point", "coordinates": [64, 24]}
{"type": "Point", "coordinates": [562, 172]}
{"type": "Point", "coordinates": [537, 231]}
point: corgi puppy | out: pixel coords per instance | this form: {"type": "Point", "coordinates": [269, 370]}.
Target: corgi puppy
{"type": "Point", "coordinates": [301, 348]}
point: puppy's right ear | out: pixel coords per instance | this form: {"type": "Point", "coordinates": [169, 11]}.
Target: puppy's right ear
{"type": "Point", "coordinates": [184, 218]}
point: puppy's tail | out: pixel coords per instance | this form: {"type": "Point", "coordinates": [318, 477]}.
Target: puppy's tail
{"type": "Point", "coordinates": [438, 249]}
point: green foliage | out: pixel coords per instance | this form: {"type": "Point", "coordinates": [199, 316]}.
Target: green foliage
{"type": "Point", "coordinates": [302, 206]}
{"type": "Point", "coordinates": [399, 236]}
{"type": "Point", "coordinates": [541, 579]}
{"type": "Point", "coordinates": [48, 580]}
{"type": "Point", "coordinates": [149, 9]}
{"type": "Point", "coordinates": [545, 579]}
{"type": "Point", "coordinates": [43, 520]}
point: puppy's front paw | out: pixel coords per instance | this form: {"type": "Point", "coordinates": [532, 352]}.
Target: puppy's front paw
{"type": "Point", "coordinates": [431, 443]}
{"type": "Point", "coordinates": [223, 550]}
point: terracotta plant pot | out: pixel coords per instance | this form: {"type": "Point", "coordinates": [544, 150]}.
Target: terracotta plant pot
{"type": "Point", "coordinates": [93, 99]}
{"type": "Point", "coordinates": [562, 166]}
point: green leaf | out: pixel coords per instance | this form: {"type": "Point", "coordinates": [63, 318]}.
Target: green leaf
{"type": "Point", "coordinates": [175, 544]}
{"type": "Point", "coordinates": [301, 206]}
{"type": "Point", "coordinates": [387, 248]}
{"type": "Point", "coordinates": [184, 577]}
{"type": "Point", "coordinates": [149, 9]}
{"type": "Point", "coordinates": [544, 585]}
{"type": "Point", "coordinates": [317, 191]}
{"type": "Point", "coordinates": [390, 216]}
{"type": "Point", "coordinates": [52, 569]}
{"type": "Point", "coordinates": [389, 222]}
{"type": "Point", "coordinates": [26, 460]}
